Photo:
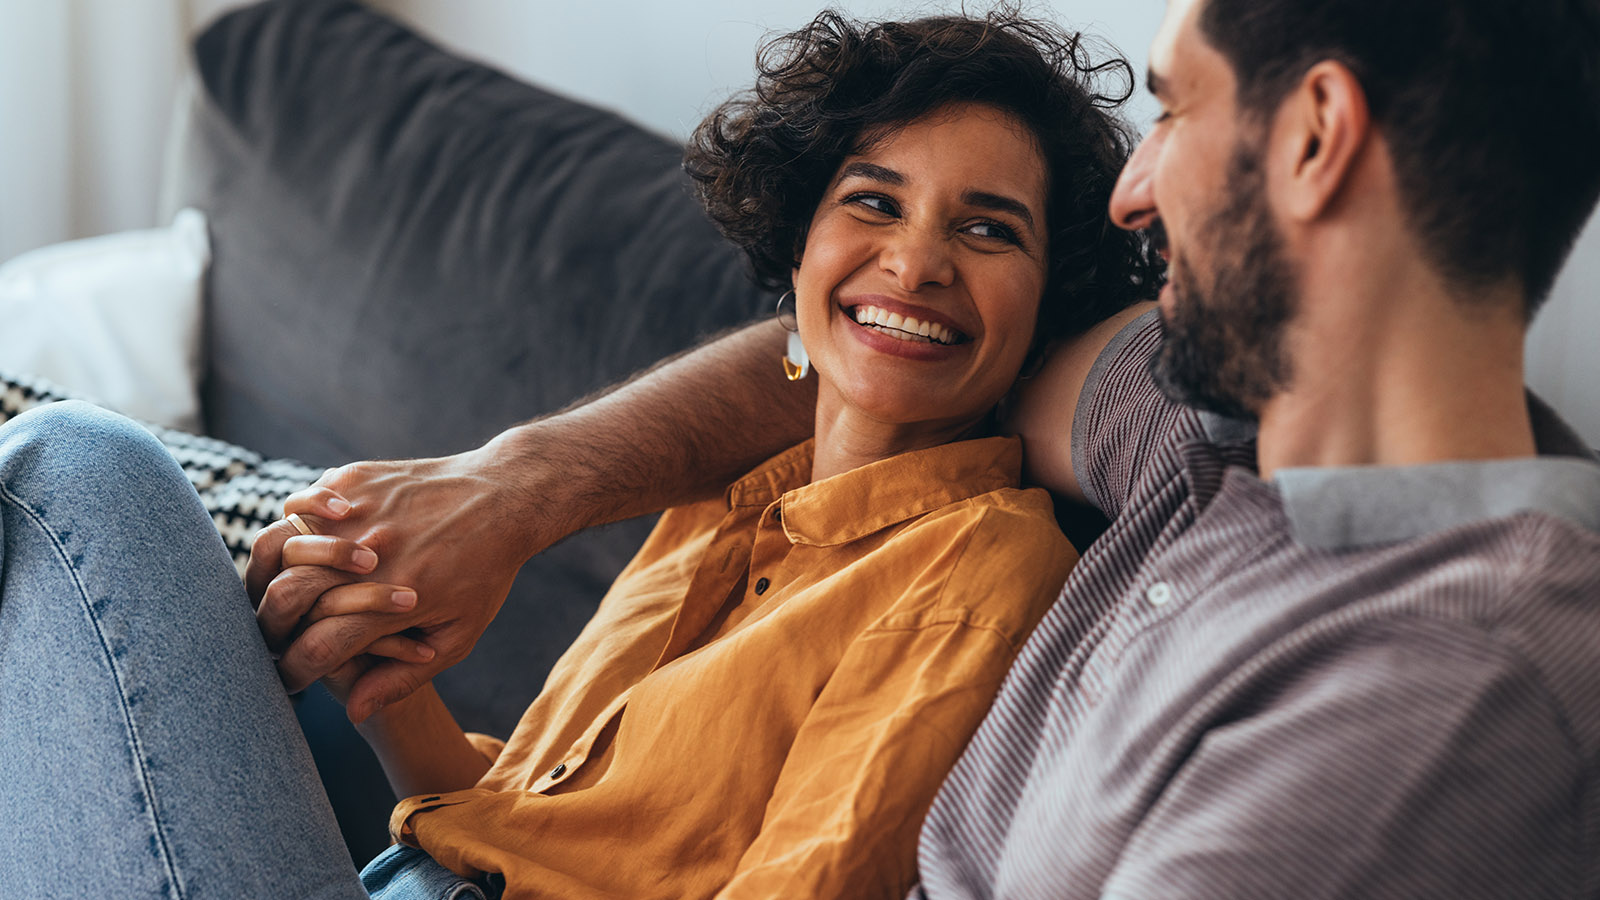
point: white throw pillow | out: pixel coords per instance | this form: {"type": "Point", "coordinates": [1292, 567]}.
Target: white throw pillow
{"type": "Point", "coordinates": [115, 318]}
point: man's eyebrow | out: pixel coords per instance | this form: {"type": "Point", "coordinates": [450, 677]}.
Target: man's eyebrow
{"type": "Point", "coordinates": [1154, 83]}
{"type": "Point", "coordinates": [999, 203]}
{"type": "Point", "coordinates": [873, 172]}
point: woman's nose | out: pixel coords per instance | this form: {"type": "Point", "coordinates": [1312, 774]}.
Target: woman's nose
{"type": "Point", "coordinates": [918, 259]}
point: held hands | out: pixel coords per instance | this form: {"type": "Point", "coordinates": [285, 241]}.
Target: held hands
{"type": "Point", "coordinates": [329, 566]}
{"type": "Point", "coordinates": [336, 606]}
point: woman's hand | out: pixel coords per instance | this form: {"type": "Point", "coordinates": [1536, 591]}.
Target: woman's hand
{"type": "Point", "coordinates": [421, 747]}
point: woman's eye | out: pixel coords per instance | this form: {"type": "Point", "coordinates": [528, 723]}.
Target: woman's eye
{"type": "Point", "coordinates": [993, 231]}
{"type": "Point", "coordinates": [875, 202]}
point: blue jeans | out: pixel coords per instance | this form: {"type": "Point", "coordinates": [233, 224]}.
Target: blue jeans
{"type": "Point", "coordinates": [147, 748]}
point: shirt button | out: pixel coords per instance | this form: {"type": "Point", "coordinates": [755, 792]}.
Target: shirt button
{"type": "Point", "coordinates": [1159, 594]}
{"type": "Point", "coordinates": [559, 770]}
{"type": "Point", "coordinates": [761, 586]}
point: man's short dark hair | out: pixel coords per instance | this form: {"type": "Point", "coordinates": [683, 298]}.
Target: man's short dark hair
{"type": "Point", "coordinates": [763, 160]}
{"type": "Point", "coordinates": [1491, 110]}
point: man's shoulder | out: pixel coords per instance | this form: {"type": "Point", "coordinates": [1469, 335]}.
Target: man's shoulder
{"type": "Point", "coordinates": [1509, 608]}
{"type": "Point", "coordinates": [1433, 744]}
{"type": "Point", "coordinates": [1510, 599]}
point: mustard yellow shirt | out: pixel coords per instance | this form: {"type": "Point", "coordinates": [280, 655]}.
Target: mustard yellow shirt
{"type": "Point", "coordinates": [771, 692]}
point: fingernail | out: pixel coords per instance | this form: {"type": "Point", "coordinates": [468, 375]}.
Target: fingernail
{"type": "Point", "coordinates": [424, 651]}
{"type": "Point", "coordinates": [364, 558]}
{"type": "Point", "coordinates": [404, 599]}
{"type": "Point", "coordinates": [338, 506]}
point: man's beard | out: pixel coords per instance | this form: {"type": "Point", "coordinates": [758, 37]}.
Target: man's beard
{"type": "Point", "coordinates": [1222, 349]}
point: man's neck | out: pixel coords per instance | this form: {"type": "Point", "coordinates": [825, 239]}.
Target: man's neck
{"type": "Point", "coordinates": [1390, 368]}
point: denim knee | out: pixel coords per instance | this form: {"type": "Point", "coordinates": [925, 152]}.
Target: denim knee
{"type": "Point", "coordinates": [76, 450]}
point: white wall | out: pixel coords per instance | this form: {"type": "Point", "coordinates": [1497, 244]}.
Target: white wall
{"type": "Point", "coordinates": [1564, 343]}
{"type": "Point", "coordinates": [666, 64]}
{"type": "Point", "coordinates": [86, 91]}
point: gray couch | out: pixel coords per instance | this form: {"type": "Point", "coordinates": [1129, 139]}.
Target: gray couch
{"type": "Point", "coordinates": [413, 251]}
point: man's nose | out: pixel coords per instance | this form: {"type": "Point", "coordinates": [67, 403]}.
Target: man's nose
{"type": "Point", "coordinates": [1132, 202]}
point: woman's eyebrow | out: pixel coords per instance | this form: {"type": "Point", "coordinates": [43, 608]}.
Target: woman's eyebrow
{"type": "Point", "coordinates": [999, 203]}
{"type": "Point", "coordinates": [873, 172]}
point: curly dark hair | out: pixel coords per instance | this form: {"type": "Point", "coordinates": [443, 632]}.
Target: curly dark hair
{"type": "Point", "coordinates": [762, 161]}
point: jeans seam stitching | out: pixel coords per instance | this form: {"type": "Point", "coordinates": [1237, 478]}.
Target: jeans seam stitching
{"type": "Point", "coordinates": [148, 788]}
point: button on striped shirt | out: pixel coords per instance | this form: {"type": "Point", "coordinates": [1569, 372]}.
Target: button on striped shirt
{"type": "Point", "coordinates": [1365, 682]}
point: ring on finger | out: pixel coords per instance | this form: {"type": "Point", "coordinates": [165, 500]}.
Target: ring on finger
{"type": "Point", "coordinates": [299, 523]}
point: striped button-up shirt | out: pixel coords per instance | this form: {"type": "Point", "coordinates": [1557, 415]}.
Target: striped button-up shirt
{"type": "Point", "coordinates": [1363, 682]}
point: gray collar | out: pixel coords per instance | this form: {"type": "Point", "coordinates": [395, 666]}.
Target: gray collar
{"type": "Point", "coordinates": [1350, 506]}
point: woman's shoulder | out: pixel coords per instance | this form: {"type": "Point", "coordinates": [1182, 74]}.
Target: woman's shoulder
{"type": "Point", "coordinates": [1014, 513]}
{"type": "Point", "coordinates": [996, 560]}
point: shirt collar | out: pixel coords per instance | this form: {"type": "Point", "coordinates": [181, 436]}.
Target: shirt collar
{"type": "Point", "coordinates": [857, 503]}
{"type": "Point", "coordinates": [1341, 507]}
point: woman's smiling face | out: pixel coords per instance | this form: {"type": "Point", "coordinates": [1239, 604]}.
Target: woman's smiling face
{"type": "Point", "coordinates": [924, 264]}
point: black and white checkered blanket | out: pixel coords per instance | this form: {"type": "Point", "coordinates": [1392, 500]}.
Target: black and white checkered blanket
{"type": "Point", "coordinates": [242, 490]}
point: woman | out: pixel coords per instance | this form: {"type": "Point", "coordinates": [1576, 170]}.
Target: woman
{"type": "Point", "coordinates": [770, 693]}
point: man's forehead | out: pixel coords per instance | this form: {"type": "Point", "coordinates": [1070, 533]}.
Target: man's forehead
{"type": "Point", "coordinates": [1176, 26]}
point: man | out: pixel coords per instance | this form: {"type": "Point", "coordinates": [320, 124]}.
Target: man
{"type": "Point", "coordinates": [1343, 635]}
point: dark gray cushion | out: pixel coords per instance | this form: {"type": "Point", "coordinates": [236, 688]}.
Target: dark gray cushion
{"type": "Point", "coordinates": [413, 251]}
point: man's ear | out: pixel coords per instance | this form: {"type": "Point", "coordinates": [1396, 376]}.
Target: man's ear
{"type": "Point", "coordinates": [1323, 126]}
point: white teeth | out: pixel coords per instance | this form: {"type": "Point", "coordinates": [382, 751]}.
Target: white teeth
{"type": "Point", "coordinates": [903, 327]}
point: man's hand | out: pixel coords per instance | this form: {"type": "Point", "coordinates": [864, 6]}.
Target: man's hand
{"type": "Point", "coordinates": [455, 530]}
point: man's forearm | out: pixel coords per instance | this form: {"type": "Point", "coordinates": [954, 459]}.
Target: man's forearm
{"type": "Point", "coordinates": [679, 432]}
